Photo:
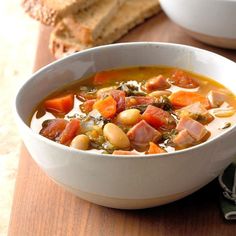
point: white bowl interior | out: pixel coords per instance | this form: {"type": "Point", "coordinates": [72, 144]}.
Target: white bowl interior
{"type": "Point", "coordinates": [88, 62]}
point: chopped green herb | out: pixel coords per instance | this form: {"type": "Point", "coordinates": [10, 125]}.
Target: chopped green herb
{"type": "Point", "coordinates": [168, 137]}
{"type": "Point", "coordinates": [107, 146]}
{"type": "Point", "coordinates": [131, 89]}
{"type": "Point", "coordinates": [226, 125]}
{"type": "Point", "coordinates": [76, 115]}
{"type": "Point", "coordinates": [164, 103]}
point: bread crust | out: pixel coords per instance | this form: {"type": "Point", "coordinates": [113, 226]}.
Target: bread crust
{"type": "Point", "coordinates": [88, 24]}
{"type": "Point", "coordinates": [60, 47]}
{"type": "Point", "coordinates": [62, 40]}
{"type": "Point", "coordinates": [39, 12]}
{"type": "Point", "coordinates": [49, 12]}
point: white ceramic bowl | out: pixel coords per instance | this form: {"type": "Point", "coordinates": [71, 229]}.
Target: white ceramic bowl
{"type": "Point", "coordinates": [127, 182]}
{"type": "Point", "coordinates": [210, 21]}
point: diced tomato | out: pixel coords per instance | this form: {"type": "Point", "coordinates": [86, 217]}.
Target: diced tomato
{"type": "Point", "coordinates": [70, 131]}
{"type": "Point", "coordinates": [119, 97]}
{"type": "Point", "coordinates": [155, 149]}
{"type": "Point", "coordinates": [52, 129]}
{"type": "Point", "coordinates": [87, 106]}
{"type": "Point", "coordinates": [138, 100]}
{"type": "Point", "coordinates": [106, 106]}
{"type": "Point", "coordinates": [183, 98]}
{"type": "Point", "coordinates": [158, 118]}
{"type": "Point", "coordinates": [181, 79]}
{"type": "Point", "coordinates": [104, 77]}
{"type": "Point", "coordinates": [61, 105]}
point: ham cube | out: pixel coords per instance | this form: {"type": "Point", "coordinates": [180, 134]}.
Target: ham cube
{"type": "Point", "coordinates": [183, 139]}
{"type": "Point", "coordinates": [141, 134]}
{"type": "Point", "coordinates": [157, 83]}
{"type": "Point", "coordinates": [197, 112]}
{"type": "Point", "coordinates": [194, 128]}
{"type": "Point", "coordinates": [216, 98]}
{"type": "Point", "coordinates": [119, 97]}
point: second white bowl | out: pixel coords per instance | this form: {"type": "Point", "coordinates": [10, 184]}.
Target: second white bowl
{"type": "Point", "coordinates": [210, 21]}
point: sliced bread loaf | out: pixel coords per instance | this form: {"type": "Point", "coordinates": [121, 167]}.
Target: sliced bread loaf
{"type": "Point", "coordinates": [131, 13]}
{"type": "Point", "coordinates": [88, 24]}
{"type": "Point", "coordinates": [49, 12]}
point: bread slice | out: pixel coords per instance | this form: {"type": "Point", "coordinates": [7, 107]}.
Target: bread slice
{"type": "Point", "coordinates": [130, 14]}
{"type": "Point", "coordinates": [49, 12]}
{"type": "Point", "coordinates": [87, 25]}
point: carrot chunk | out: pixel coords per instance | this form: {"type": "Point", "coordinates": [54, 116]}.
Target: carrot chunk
{"type": "Point", "coordinates": [106, 106]}
{"type": "Point", "coordinates": [155, 149]}
{"type": "Point", "coordinates": [183, 98]}
{"type": "Point", "coordinates": [60, 104]}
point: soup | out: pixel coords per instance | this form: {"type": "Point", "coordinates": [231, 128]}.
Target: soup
{"type": "Point", "coordinates": [133, 111]}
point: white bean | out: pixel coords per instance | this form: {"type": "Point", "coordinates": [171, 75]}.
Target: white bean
{"type": "Point", "coordinates": [80, 142]}
{"type": "Point", "coordinates": [158, 94]}
{"type": "Point", "coordinates": [116, 136]}
{"type": "Point", "coordinates": [224, 112]}
{"type": "Point", "coordinates": [129, 117]}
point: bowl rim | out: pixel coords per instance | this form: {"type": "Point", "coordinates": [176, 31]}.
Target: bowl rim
{"type": "Point", "coordinates": [100, 155]}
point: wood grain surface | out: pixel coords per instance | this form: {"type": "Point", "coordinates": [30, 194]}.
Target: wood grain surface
{"type": "Point", "coordinates": [41, 207]}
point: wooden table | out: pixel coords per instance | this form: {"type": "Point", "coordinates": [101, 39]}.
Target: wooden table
{"type": "Point", "coordinates": [41, 207]}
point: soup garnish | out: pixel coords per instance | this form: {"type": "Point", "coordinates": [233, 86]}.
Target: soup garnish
{"type": "Point", "coordinates": [133, 111]}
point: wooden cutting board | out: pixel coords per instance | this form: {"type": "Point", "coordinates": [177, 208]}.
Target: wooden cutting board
{"type": "Point", "coordinates": [42, 208]}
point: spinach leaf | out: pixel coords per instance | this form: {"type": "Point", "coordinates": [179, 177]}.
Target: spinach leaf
{"type": "Point", "coordinates": [131, 89]}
